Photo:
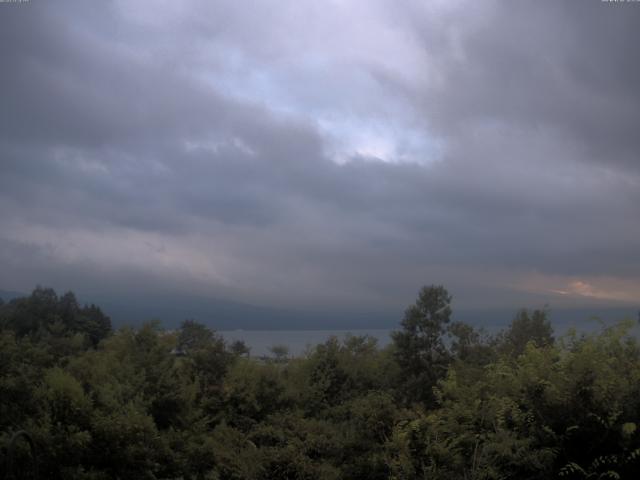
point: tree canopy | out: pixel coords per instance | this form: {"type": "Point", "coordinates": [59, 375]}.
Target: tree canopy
{"type": "Point", "coordinates": [443, 401]}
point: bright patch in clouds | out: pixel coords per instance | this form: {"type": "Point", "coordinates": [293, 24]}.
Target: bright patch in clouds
{"type": "Point", "coordinates": [351, 138]}
{"type": "Point", "coordinates": [621, 292]}
{"type": "Point", "coordinates": [569, 290]}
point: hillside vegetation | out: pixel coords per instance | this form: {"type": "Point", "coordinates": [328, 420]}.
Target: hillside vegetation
{"type": "Point", "coordinates": [443, 401]}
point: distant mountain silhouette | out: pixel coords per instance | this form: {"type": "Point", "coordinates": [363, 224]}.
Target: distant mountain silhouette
{"type": "Point", "coordinates": [7, 295]}
{"type": "Point", "coordinates": [221, 314]}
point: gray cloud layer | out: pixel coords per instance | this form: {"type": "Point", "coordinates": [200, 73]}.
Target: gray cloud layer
{"type": "Point", "coordinates": [341, 153]}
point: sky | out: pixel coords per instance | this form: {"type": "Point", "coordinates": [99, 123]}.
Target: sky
{"type": "Point", "coordinates": [322, 157]}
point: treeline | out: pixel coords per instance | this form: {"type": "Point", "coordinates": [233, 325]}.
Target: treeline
{"type": "Point", "coordinates": [443, 401]}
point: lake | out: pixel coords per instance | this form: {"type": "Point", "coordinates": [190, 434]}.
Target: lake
{"type": "Point", "coordinates": [260, 341]}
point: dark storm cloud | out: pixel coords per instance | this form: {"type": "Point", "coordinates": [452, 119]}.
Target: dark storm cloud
{"type": "Point", "coordinates": [195, 147]}
{"type": "Point", "coordinates": [546, 65]}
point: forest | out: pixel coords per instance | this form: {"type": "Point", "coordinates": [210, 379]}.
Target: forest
{"type": "Point", "coordinates": [445, 400]}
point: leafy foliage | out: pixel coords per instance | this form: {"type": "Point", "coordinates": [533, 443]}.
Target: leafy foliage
{"type": "Point", "coordinates": [150, 403]}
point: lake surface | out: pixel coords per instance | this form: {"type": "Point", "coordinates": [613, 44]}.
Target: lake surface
{"type": "Point", "coordinates": [260, 341]}
{"type": "Point", "coordinates": [298, 341]}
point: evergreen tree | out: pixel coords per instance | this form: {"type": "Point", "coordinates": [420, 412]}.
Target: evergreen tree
{"type": "Point", "coordinates": [419, 346]}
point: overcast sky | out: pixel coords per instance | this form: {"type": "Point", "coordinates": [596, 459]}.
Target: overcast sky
{"type": "Point", "coordinates": [305, 154]}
